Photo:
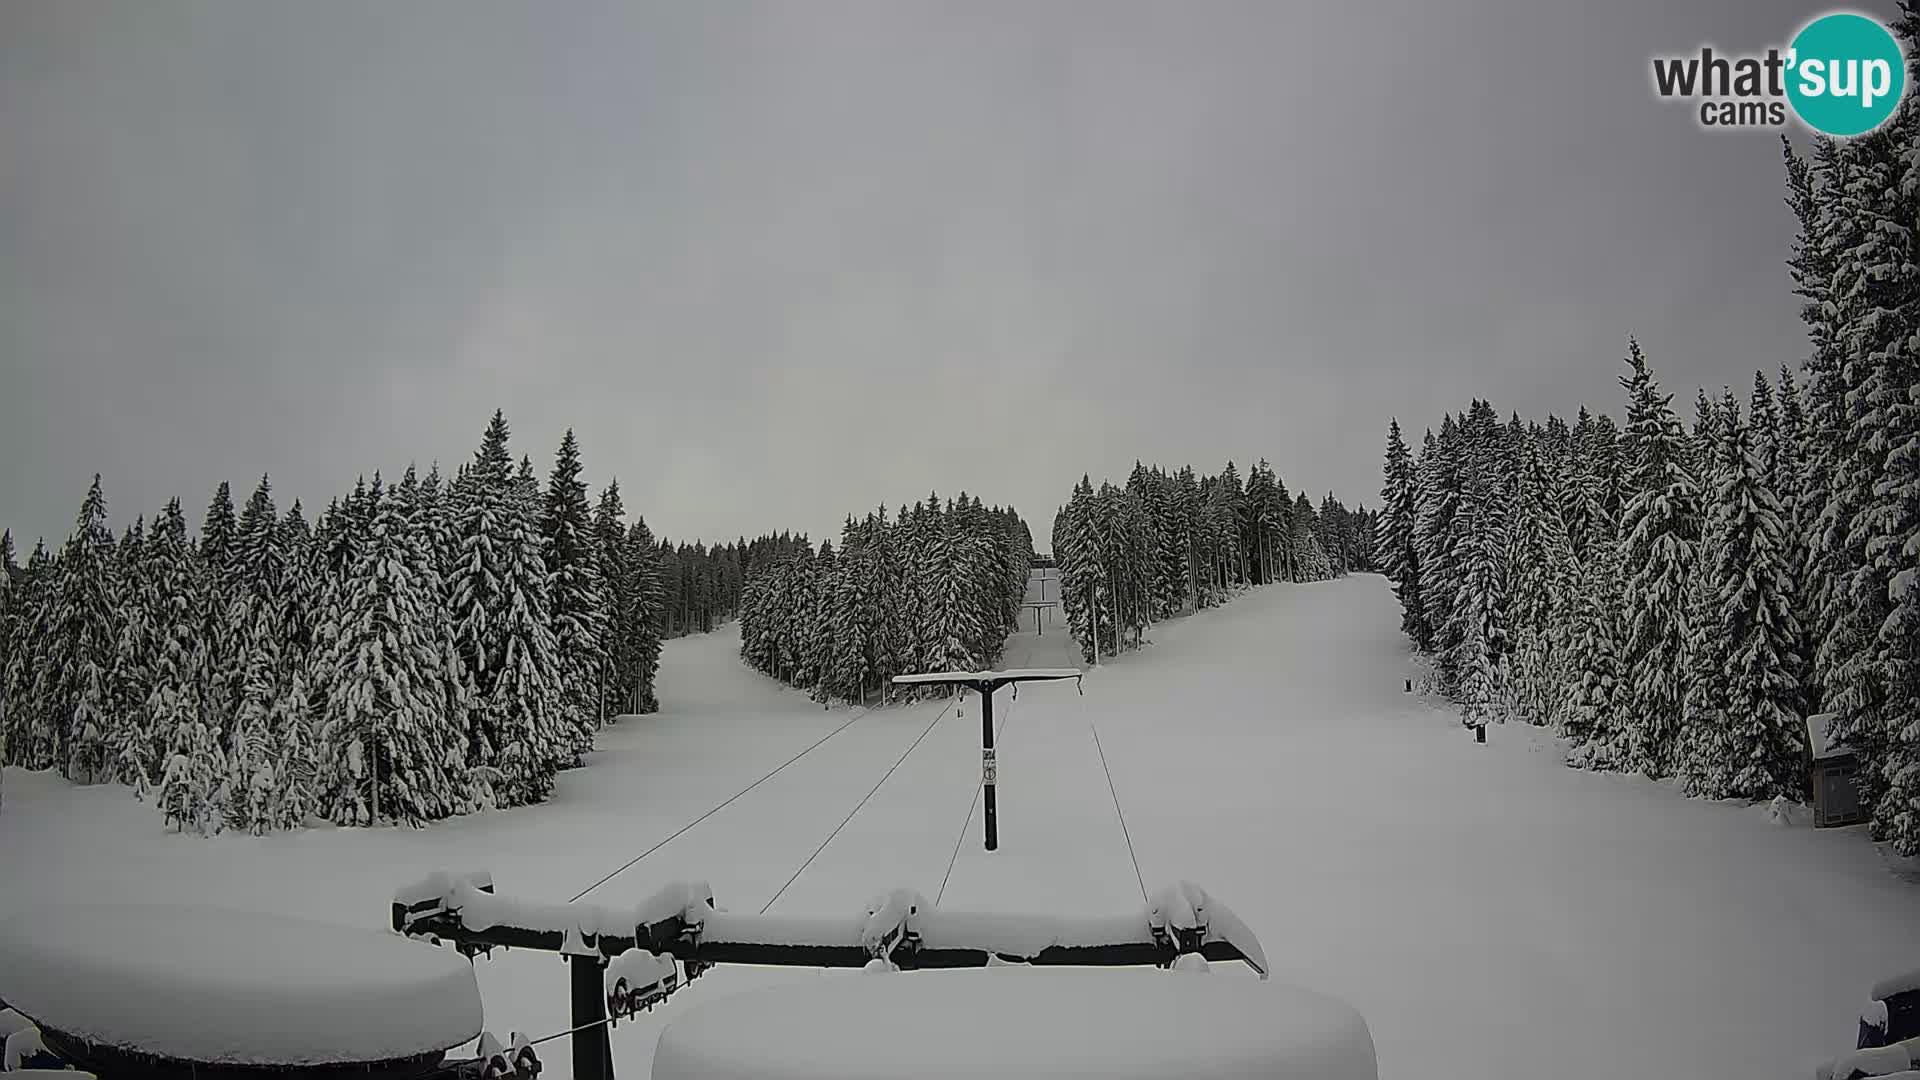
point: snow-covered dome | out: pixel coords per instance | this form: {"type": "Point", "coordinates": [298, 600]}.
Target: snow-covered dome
{"type": "Point", "coordinates": [1017, 1023]}
{"type": "Point", "coordinates": [231, 987]}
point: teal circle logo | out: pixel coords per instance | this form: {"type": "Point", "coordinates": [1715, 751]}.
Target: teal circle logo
{"type": "Point", "coordinates": [1846, 74]}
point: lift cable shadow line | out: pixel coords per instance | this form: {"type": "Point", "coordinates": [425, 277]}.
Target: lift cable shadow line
{"type": "Point", "coordinates": [941, 715]}
{"type": "Point", "coordinates": [862, 714]}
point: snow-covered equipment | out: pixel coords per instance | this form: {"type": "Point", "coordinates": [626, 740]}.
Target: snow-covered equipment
{"type": "Point", "coordinates": [1835, 772]}
{"type": "Point", "coordinates": [1888, 1045]}
{"type": "Point", "coordinates": [126, 989]}
{"type": "Point", "coordinates": [1006, 1022]}
{"type": "Point", "coordinates": [1894, 1013]}
{"type": "Point", "coordinates": [637, 980]}
{"type": "Point", "coordinates": [985, 683]}
{"type": "Point", "coordinates": [619, 959]}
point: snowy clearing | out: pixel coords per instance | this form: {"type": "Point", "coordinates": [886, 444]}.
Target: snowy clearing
{"type": "Point", "coordinates": [1489, 912]}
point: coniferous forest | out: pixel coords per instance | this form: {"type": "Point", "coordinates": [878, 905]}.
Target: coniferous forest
{"type": "Point", "coordinates": [1165, 544]}
{"type": "Point", "coordinates": [1677, 597]}
{"type": "Point", "coordinates": [422, 648]}
{"type": "Point", "coordinates": [936, 589]}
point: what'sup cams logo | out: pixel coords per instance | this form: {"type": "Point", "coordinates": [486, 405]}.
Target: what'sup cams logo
{"type": "Point", "coordinates": [1842, 75]}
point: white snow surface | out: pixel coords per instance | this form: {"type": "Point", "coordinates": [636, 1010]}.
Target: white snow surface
{"type": "Point", "coordinates": [1492, 914]}
{"type": "Point", "coordinates": [213, 985]}
{"type": "Point", "coordinates": [1027, 1024]}
{"type": "Point", "coordinates": [1897, 984]}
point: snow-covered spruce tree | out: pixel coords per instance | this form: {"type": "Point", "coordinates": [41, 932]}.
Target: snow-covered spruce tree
{"type": "Point", "coordinates": [256, 572]}
{"type": "Point", "coordinates": [1697, 757]}
{"type": "Point", "coordinates": [642, 617]}
{"type": "Point", "coordinates": [1812, 192]}
{"type": "Point", "coordinates": [389, 750]}
{"type": "Point", "coordinates": [1867, 225]}
{"type": "Point", "coordinates": [850, 632]}
{"type": "Point", "coordinates": [31, 738]}
{"type": "Point", "coordinates": [824, 656]}
{"type": "Point", "coordinates": [609, 535]}
{"type": "Point", "coordinates": [1661, 529]}
{"type": "Point", "coordinates": [499, 608]}
{"type": "Point", "coordinates": [10, 573]}
{"type": "Point", "coordinates": [130, 744]}
{"type": "Point", "coordinates": [1539, 561]}
{"type": "Point", "coordinates": [85, 628]}
{"type": "Point", "coordinates": [1396, 554]}
{"type": "Point", "coordinates": [192, 767]}
{"type": "Point", "coordinates": [1438, 502]}
{"type": "Point", "coordinates": [1761, 748]}
{"type": "Point", "coordinates": [222, 652]}
{"type": "Point", "coordinates": [1082, 584]}
{"type": "Point", "coordinates": [1597, 722]}
{"type": "Point", "coordinates": [578, 599]}
{"type": "Point", "coordinates": [1478, 626]}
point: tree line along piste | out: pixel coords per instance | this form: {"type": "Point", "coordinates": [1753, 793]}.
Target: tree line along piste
{"type": "Point", "coordinates": [939, 587]}
{"type": "Point", "coordinates": [1678, 601]}
{"type": "Point", "coordinates": [423, 648]}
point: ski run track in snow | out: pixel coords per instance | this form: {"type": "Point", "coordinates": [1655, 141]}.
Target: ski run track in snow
{"type": "Point", "coordinates": [1493, 914]}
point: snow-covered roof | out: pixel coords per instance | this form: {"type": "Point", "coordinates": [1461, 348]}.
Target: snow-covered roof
{"type": "Point", "coordinates": [1898, 984]}
{"type": "Point", "coordinates": [1820, 737]}
{"type": "Point", "coordinates": [1013, 1021]}
{"type": "Point", "coordinates": [209, 985]}
{"type": "Point", "coordinates": [985, 676]}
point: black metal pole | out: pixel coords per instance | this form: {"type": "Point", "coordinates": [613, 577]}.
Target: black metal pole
{"type": "Point", "coordinates": [592, 1050]}
{"type": "Point", "coordinates": [988, 766]}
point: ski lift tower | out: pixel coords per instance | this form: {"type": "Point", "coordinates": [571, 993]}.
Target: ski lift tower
{"type": "Point", "coordinates": [985, 683]}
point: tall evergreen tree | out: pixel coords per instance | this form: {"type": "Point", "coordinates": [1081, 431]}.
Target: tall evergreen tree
{"type": "Point", "coordinates": [578, 600]}
{"type": "Point", "coordinates": [1398, 555]}
{"type": "Point", "coordinates": [1660, 527]}
{"type": "Point", "coordinates": [85, 627]}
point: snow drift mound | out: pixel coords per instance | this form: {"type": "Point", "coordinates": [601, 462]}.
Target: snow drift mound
{"type": "Point", "coordinates": [1017, 1023]}
{"type": "Point", "coordinates": [230, 987]}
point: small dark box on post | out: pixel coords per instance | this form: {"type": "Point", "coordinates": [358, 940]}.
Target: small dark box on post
{"type": "Point", "coordinates": [1835, 771]}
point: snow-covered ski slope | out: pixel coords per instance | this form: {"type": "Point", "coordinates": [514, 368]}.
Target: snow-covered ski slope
{"type": "Point", "coordinates": [1492, 913]}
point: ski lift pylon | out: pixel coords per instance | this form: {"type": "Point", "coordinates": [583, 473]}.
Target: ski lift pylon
{"type": "Point", "coordinates": [985, 683]}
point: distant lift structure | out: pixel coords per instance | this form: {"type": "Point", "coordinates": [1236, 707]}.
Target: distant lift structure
{"type": "Point", "coordinates": [985, 683]}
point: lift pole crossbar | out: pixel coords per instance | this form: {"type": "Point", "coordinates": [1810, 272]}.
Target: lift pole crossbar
{"type": "Point", "coordinates": [985, 683]}
{"type": "Point", "coordinates": [901, 929]}
{"type": "Point", "coordinates": [681, 921]}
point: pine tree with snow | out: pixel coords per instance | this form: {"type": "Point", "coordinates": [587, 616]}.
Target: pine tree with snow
{"type": "Point", "coordinates": [192, 789]}
{"type": "Point", "coordinates": [129, 750]}
{"type": "Point", "coordinates": [256, 572]}
{"type": "Point", "coordinates": [641, 617]}
{"type": "Point", "coordinates": [500, 617]}
{"type": "Point", "coordinates": [389, 750]}
{"type": "Point", "coordinates": [610, 540]}
{"type": "Point", "coordinates": [1698, 758]}
{"type": "Point", "coordinates": [578, 600]}
{"type": "Point", "coordinates": [1760, 751]}
{"type": "Point", "coordinates": [222, 652]}
{"type": "Point", "coordinates": [1440, 487]}
{"type": "Point", "coordinates": [32, 740]}
{"type": "Point", "coordinates": [10, 574]}
{"type": "Point", "coordinates": [1661, 531]}
{"type": "Point", "coordinates": [1597, 722]}
{"type": "Point", "coordinates": [1397, 555]}
{"type": "Point", "coordinates": [85, 627]}
{"type": "Point", "coordinates": [1540, 566]}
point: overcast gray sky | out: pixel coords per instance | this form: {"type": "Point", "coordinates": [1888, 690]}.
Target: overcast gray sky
{"type": "Point", "coordinates": [778, 262]}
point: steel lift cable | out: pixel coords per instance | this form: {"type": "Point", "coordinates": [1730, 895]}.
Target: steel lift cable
{"type": "Point", "coordinates": [863, 801]}
{"type": "Point", "coordinates": [689, 825]}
